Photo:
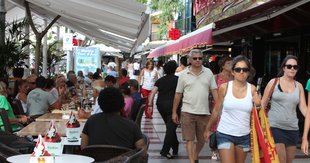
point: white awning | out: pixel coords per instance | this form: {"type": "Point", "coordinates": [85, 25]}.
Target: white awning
{"type": "Point", "coordinates": [122, 24]}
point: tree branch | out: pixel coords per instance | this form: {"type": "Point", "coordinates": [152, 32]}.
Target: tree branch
{"type": "Point", "coordinates": [50, 25]}
{"type": "Point", "coordinates": [30, 19]}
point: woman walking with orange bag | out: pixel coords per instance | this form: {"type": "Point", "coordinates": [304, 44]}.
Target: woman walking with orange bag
{"type": "Point", "coordinates": [235, 101]}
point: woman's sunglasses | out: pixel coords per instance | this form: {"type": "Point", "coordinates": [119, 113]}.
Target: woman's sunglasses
{"type": "Point", "coordinates": [239, 69]}
{"type": "Point", "coordinates": [295, 67]}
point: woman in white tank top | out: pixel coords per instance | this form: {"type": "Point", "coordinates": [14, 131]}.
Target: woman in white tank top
{"type": "Point", "coordinates": [147, 79]}
{"type": "Point", "coordinates": [235, 101]}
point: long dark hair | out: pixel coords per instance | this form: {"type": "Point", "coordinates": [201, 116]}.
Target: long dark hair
{"type": "Point", "coordinates": [288, 57]}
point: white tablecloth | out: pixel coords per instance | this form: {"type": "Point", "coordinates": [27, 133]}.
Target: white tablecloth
{"type": "Point", "coordinates": [64, 158]}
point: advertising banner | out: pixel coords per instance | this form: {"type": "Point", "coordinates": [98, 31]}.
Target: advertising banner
{"type": "Point", "coordinates": [87, 59]}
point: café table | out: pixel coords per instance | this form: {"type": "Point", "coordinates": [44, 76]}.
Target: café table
{"type": "Point", "coordinates": [64, 111]}
{"type": "Point", "coordinates": [64, 158]}
{"type": "Point", "coordinates": [57, 117]}
{"type": "Point", "coordinates": [41, 127]}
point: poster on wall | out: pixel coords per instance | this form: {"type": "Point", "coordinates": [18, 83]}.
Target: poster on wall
{"type": "Point", "coordinates": [87, 59]}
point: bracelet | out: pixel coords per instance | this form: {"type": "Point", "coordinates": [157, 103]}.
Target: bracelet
{"type": "Point", "coordinates": [149, 105]}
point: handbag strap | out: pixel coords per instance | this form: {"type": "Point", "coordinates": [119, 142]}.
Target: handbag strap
{"type": "Point", "coordinates": [272, 88]}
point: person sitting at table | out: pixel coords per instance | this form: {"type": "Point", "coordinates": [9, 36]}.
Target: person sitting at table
{"type": "Point", "coordinates": [136, 96]}
{"type": "Point", "coordinates": [72, 83]}
{"type": "Point", "coordinates": [110, 81]}
{"type": "Point", "coordinates": [51, 88]}
{"type": "Point", "coordinates": [40, 102]}
{"type": "Point", "coordinates": [61, 84]}
{"type": "Point", "coordinates": [97, 85]}
{"type": "Point", "coordinates": [109, 128]}
{"type": "Point", "coordinates": [123, 77]}
{"type": "Point", "coordinates": [21, 90]}
{"type": "Point", "coordinates": [125, 88]}
{"type": "Point", "coordinates": [31, 80]}
{"type": "Point", "coordinates": [89, 78]}
{"type": "Point", "coordinates": [4, 104]}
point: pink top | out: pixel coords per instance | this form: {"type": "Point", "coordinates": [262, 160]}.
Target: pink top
{"type": "Point", "coordinates": [128, 105]}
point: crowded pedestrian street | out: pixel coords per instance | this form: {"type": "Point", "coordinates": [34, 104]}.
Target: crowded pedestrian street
{"type": "Point", "coordinates": [155, 129]}
{"type": "Point", "coordinates": [155, 81]}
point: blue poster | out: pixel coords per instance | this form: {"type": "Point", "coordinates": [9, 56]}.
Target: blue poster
{"type": "Point", "coordinates": [87, 59]}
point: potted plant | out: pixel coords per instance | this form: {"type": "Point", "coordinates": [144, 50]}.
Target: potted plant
{"type": "Point", "coordinates": [18, 70]}
{"type": "Point", "coordinates": [13, 52]}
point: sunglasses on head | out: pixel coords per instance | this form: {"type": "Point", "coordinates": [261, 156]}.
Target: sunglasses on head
{"type": "Point", "coordinates": [295, 67]}
{"type": "Point", "coordinates": [197, 58]}
{"type": "Point", "coordinates": [243, 69]}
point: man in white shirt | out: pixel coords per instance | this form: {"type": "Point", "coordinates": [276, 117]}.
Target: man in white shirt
{"type": "Point", "coordinates": [194, 85]}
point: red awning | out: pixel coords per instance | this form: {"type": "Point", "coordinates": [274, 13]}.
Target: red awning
{"type": "Point", "coordinates": [170, 48]}
{"type": "Point", "coordinates": [202, 37]}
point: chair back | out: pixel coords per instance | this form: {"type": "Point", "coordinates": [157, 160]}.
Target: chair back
{"type": "Point", "coordinates": [18, 107]}
{"type": "Point", "coordinates": [136, 157]}
{"type": "Point", "coordinates": [104, 152]}
{"type": "Point", "coordinates": [139, 115]}
{"type": "Point", "coordinates": [6, 152]}
{"type": "Point", "coordinates": [5, 121]}
{"type": "Point", "coordinates": [134, 109]}
{"type": "Point", "coordinates": [146, 141]}
{"type": "Point", "coordinates": [21, 144]}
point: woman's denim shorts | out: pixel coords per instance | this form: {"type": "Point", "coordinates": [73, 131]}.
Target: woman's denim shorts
{"type": "Point", "coordinates": [224, 141]}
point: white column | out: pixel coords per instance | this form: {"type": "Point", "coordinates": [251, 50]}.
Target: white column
{"type": "Point", "coordinates": [68, 57]}
{"type": "Point", "coordinates": [44, 69]}
{"type": "Point", "coordinates": [58, 49]}
{"type": "Point", "coordinates": [68, 61]}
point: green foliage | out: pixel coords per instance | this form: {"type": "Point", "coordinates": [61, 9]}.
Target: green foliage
{"type": "Point", "coordinates": [53, 57]}
{"type": "Point", "coordinates": [13, 52]}
{"type": "Point", "coordinates": [168, 9]}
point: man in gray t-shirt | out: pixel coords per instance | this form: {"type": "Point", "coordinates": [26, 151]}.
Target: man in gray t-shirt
{"type": "Point", "coordinates": [39, 101]}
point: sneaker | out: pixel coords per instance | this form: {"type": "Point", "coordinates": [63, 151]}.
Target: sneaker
{"type": "Point", "coordinates": [214, 156]}
{"type": "Point", "coordinates": [168, 156]}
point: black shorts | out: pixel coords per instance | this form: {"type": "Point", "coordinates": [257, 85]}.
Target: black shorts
{"type": "Point", "coordinates": [287, 137]}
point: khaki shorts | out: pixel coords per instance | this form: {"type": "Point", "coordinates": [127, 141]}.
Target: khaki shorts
{"type": "Point", "coordinates": [193, 125]}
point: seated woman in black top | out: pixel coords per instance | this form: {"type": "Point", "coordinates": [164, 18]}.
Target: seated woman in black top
{"type": "Point", "coordinates": [109, 128]}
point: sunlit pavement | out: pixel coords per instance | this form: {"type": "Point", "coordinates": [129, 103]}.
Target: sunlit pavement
{"type": "Point", "coordinates": [155, 130]}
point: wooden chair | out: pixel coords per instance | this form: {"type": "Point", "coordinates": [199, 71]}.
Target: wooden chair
{"type": "Point", "coordinates": [18, 107]}
{"type": "Point", "coordinates": [21, 144]}
{"type": "Point", "coordinates": [139, 115]}
{"type": "Point", "coordinates": [5, 121]}
{"type": "Point", "coordinates": [102, 153]}
{"type": "Point", "coordinates": [6, 125]}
